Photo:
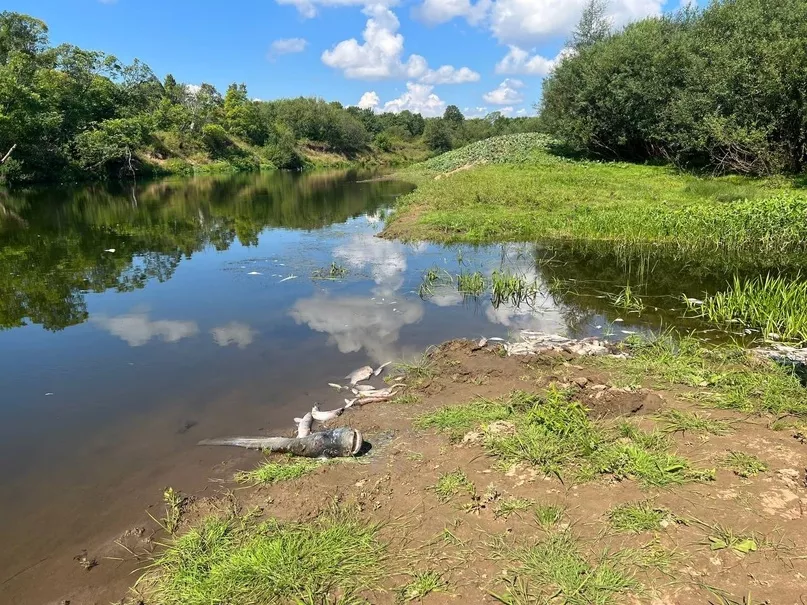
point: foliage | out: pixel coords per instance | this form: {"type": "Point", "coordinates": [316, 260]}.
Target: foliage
{"type": "Point", "coordinates": [718, 88]}
{"type": "Point", "coordinates": [637, 517]}
{"type": "Point", "coordinates": [275, 472]}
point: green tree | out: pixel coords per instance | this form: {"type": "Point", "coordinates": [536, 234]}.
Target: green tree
{"type": "Point", "coordinates": [453, 116]}
{"type": "Point", "coordinates": [438, 135]}
{"type": "Point", "coordinates": [594, 25]}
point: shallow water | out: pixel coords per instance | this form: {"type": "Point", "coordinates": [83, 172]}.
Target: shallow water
{"type": "Point", "coordinates": [138, 320]}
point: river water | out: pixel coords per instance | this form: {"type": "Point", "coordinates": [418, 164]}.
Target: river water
{"type": "Point", "coordinates": [137, 320]}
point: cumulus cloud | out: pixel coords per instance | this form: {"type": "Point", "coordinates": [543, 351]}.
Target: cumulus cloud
{"type": "Point", "coordinates": [506, 93]}
{"type": "Point", "coordinates": [418, 98]}
{"type": "Point", "coordinates": [380, 56]}
{"type": "Point", "coordinates": [287, 46]}
{"type": "Point", "coordinates": [369, 100]}
{"type": "Point", "coordinates": [385, 259]}
{"type": "Point", "coordinates": [475, 112]}
{"type": "Point", "coordinates": [519, 61]}
{"type": "Point", "coordinates": [440, 11]}
{"type": "Point", "coordinates": [308, 8]}
{"type": "Point", "coordinates": [137, 329]}
{"type": "Point", "coordinates": [234, 333]}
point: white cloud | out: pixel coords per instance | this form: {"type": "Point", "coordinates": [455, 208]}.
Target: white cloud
{"type": "Point", "coordinates": [385, 259]}
{"type": "Point", "coordinates": [380, 56]}
{"type": "Point", "coordinates": [507, 93]}
{"type": "Point", "coordinates": [440, 11]}
{"type": "Point", "coordinates": [137, 329]}
{"type": "Point", "coordinates": [308, 8]}
{"type": "Point", "coordinates": [369, 100]}
{"type": "Point", "coordinates": [418, 98]}
{"type": "Point", "coordinates": [286, 46]}
{"type": "Point", "coordinates": [519, 61]}
{"type": "Point", "coordinates": [475, 112]}
{"type": "Point", "coordinates": [234, 333]}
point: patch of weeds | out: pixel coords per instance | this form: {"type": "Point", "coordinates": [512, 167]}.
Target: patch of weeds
{"type": "Point", "coordinates": [415, 456]}
{"type": "Point", "coordinates": [459, 419]}
{"type": "Point", "coordinates": [724, 598]}
{"type": "Point", "coordinates": [276, 472]}
{"type": "Point", "coordinates": [512, 505]}
{"type": "Point", "coordinates": [432, 277]}
{"type": "Point", "coordinates": [334, 271]}
{"type": "Point", "coordinates": [626, 300]}
{"type": "Point", "coordinates": [743, 465]}
{"type": "Point", "coordinates": [509, 288]}
{"type": "Point", "coordinates": [637, 517]}
{"type": "Point", "coordinates": [548, 515]}
{"type": "Point", "coordinates": [418, 369]}
{"type": "Point", "coordinates": [238, 560]}
{"type": "Point", "coordinates": [720, 537]}
{"type": "Point", "coordinates": [652, 556]}
{"type": "Point", "coordinates": [174, 502]}
{"type": "Point", "coordinates": [406, 399]}
{"type": "Point", "coordinates": [471, 284]}
{"type": "Point", "coordinates": [422, 584]}
{"type": "Point", "coordinates": [450, 484]}
{"type": "Point", "coordinates": [675, 421]}
{"type": "Point", "coordinates": [556, 570]}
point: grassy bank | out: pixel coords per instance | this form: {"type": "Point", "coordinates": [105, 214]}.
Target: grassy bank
{"type": "Point", "coordinates": [516, 188]}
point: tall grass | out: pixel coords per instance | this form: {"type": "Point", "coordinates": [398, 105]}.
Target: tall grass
{"type": "Point", "coordinates": [471, 284]}
{"type": "Point", "coordinates": [511, 288]}
{"type": "Point", "coordinates": [774, 305]}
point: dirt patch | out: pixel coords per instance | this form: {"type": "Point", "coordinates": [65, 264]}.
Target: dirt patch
{"type": "Point", "coordinates": [462, 536]}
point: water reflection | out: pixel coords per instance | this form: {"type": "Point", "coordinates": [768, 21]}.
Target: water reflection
{"type": "Point", "coordinates": [137, 329]}
{"type": "Point", "coordinates": [234, 333]}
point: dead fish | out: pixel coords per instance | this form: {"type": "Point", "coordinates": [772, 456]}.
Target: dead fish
{"type": "Point", "coordinates": [359, 375]}
{"type": "Point", "coordinates": [495, 339]}
{"type": "Point", "coordinates": [338, 387]}
{"type": "Point", "coordinates": [380, 368]}
{"type": "Point", "coordinates": [287, 278]}
{"type": "Point", "coordinates": [321, 416]}
{"type": "Point", "coordinates": [361, 388]}
{"type": "Point", "coordinates": [349, 402]}
{"type": "Point", "coordinates": [304, 425]}
{"type": "Point", "coordinates": [482, 343]}
{"type": "Point", "coordinates": [388, 392]}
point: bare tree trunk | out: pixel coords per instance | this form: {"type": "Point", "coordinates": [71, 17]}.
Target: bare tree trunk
{"type": "Point", "coordinates": [8, 155]}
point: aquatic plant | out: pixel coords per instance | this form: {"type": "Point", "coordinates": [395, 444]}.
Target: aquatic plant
{"type": "Point", "coordinates": [334, 271]}
{"type": "Point", "coordinates": [775, 305]}
{"type": "Point", "coordinates": [512, 289]}
{"type": "Point", "coordinates": [626, 300]}
{"type": "Point", "coordinates": [471, 284]}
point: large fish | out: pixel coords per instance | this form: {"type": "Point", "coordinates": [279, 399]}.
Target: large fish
{"type": "Point", "coordinates": [361, 388]}
{"type": "Point", "coordinates": [323, 416]}
{"type": "Point", "coordinates": [331, 444]}
{"type": "Point", "coordinates": [304, 425]}
{"type": "Point", "coordinates": [380, 368]}
{"type": "Point", "coordinates": [359, 375]}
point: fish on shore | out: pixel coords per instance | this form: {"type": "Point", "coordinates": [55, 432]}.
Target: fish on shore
{"type": "Point", "coordinates": [331, 444]}
{"type": "Point", "coordinates": [349, 402]}
{"type": "Point", "coordinates": [304, 425]}
{"type": "Point", "coordinates": [323, 416]}
{"type": "Point", "coordinates": [380, 368]}
{"type": "Point", "coordinates": [338, 387]}
{"type": "Point", "coordinates": [361, 388]}
{"type": "Point", "coordinates": [360, 375]}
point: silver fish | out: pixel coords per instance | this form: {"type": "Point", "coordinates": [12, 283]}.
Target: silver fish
{"type": "Point", "coordinates": [338, 387]}
{"type": "Point", "coordinates": [495, 339]}
{"type": "Point", "coordinates": [304, 425]}
{"type": "Point", "coordinates": [359, 375]}
{"type": "Point", "coordinates": [482, 343]}
{"type": "Point", "coordinates": [388, 392]}
{"type": "Point", "coordinates": [360, 388]}
{"type": "Point", "coordinates": [380, 368]}
{"type": "Point", "coordinates": [349, 402]}
{"type": "Point", "coordinates": [321, 416]}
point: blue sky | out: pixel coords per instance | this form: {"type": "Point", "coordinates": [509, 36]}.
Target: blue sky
{"type": "Point", "coordinates": [481, 55]}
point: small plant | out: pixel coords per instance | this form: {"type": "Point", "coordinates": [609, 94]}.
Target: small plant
{"type": "Point", "coordinates": [418, 369]}
{"type": "Point", "coordinates": [471, 284]}
{"type": "Point", "coordinates": [675, 421]}
{"type": "Point", "coordinates": [450, 484]}
{"type": "Point", "coordinates": [431, 277]}
{"type": "Point", "coordinates": [637, 517]}
{"type": "Point", "coordinates": [173, 510]}
{"type": "Point", "coordinates": [509, 288]}
{"type": "Point", "coordinates": [626, 300]}
{"type": "Point", "coordinates": [275, 472]}
{"type": "Point", "coordinates": [335, 271]}
{"type": "Point", "coordinates": [744, 465]}
{"type": "Point", "coordinates": [511, 505]}
{"type": "Point", "coordinates": [722, 538]}
{"type": "Point", "coordinates": [406, 399]}
{"type": "Point", "coordinates": [548, 515]}
{"type": "Point", "coordinates": [422, 584]}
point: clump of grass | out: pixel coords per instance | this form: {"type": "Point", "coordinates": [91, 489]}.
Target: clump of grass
{"type": "Point", "coordinates": [509, 288]}
{"type": "Point", "coordinates": [422, 584]}
{"type": "Point", "coordinates": [432, 277]}
{"type": "Point", "coordinates": [418, 369]}
{"type": "Point", "coordinates": [406, 399]}
{"type": "Point", "coordinates": [237, 560]}
{"type": "Point", "coordinates": [626, 300]}
{"type": "Point", "coordinates": [721, 538]}
{"type": "Point", "coordinates": [743, 464]}
{"type": "Point", "coordinates": [512, 505]}
{"type": "Point", "coordinates": [678, 421]}
{"type": "Point", "coordinates": [471, 284]}
{"type": "Point", "coordinates": [556, 570]}
{"type": "Point", "coordinates": [174, 502]}
{"type": "Point", "coordinates": [459, 419]}
{"type": "Point", "coordinates": [334, 271]}
{"type": "Point", "coordinates": [771, 304]}
{"type": "Point", "coordinates": [637, 517]}
{"type": "Point", "coordinates": [548, 515]}
{"type": "Point", "coordinates": [450, 484]}
{"type": "Point", "coordinates": [276, 472]}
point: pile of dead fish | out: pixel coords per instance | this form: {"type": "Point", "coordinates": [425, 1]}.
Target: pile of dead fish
{"type": "Point", "coordinates": [363, 394]}
{"type": "Point", "coordinates": [786, 355]}
{"type": "Point", "coordinates": [532, 343]}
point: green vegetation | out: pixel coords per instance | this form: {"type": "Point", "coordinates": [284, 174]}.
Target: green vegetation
{"type": "Point", "coordinates": [722, 537]}
{"type": "Point", "coordinates": [275, 472]}
{"type": "Point", "coordinates": [334, 271]}
{"type": "Point", "coordinates": [626, 300]}
{"type": "Point", "coordinates": [422, 584]}
{"type": "Point", "coordinates": [450, 484]}
{"type": "Point", "coordinates": [678, 421]}
{"type": "Point", "coordinates": [471, 284]}
{"type": "Point", "coordinates": [743, 464]}
{"type": "Point", "coordinates": [509, 288]}
{"type": "Point", "coordinates": [225, 560]}
{"type": "Point", "coordinates": [511, 505]}
{"type": "Point", "coordinates": [637, 517]}
{"type": "Point", "coordinates": [717, 88]}
{"type": "Point", "coordinates": [417, 370]}
{"type": "Point", "coordinates": [173, 511]}
{"type": "Point", "coordinates": [774, 305]}
{"type": "Point", "coordinates": [548, 515]}
{"type": "Point", "coordinates": [555, 435]}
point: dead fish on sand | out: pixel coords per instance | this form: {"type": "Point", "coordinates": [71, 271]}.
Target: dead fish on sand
{"type": "Point", "coordinates": [304, 425]}
{"type": "Point", "coordinates": [359, 375]}
{"type": "Point", "coordinates": [338, 387]}
{"type": "Point", "coordinates": [375, 393]}
{"type": "Point", "coordinates": [350, 402]}
{"type": "Point", "coordinates": [322, 416]}
{"type": "Point", "coordinates": [361, 388]}
{"type": "Point", "coordinates": [380, 368]}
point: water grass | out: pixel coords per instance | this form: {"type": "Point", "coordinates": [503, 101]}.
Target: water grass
{"type": "Point", "coordinates": [775, 305]}
{"type": "Point", "coordinates": [238, 560]}
{"type": "Point", "coordinates": [627, 301]}
{"type": "Point", "coordinates": [511, 288]}
{"type": "Point", "coordinates": [471, 284]}
{"type": "Point", "coordinates": [333, 272]}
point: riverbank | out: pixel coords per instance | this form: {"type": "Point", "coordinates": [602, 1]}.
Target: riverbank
{"type": "Point", "coordinates": [674, 475]}
{"type": "Point", "coordinates": [520, 188]}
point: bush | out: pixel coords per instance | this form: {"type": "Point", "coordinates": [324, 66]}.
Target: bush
{"type": "Point", "coordinates": [216, 140]}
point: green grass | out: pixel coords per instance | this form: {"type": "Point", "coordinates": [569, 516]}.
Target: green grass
{"type": "Point", "coordinates": [637, 517]}
{"type": "Point", "coordinates": [423, 583]}
{"type": "Point", "coordinates": [471, 284]}
{"type": "Point", "coordinates": [237, 560]}
{"type": "Point", "coordinates": [417, 369]}
{"type": "Point", "coordinates": [512, 505]}
{"type": "Point", "coordinates": [531, 194]}
{"type": "Point", "coordinates": [275, 472]}
{"type": "Point", "coordinates": [678, 421]}
{"type": "Point", "coordinates": [557, 570]}
{"type": "Point", "coordinates": [773, 305]}
{"type": "Point", "coordinates": [554, 434]}
{"type": "Point", "coordinates": [626, 300]}
{"type": "Point", "coordinates": [720, 537]}
{"type": "Point", "coordinates": [743, 465]}
{"type": "Point", "coordinates": [548, 515]}
{"type": "Point", "coordinates": [406, 399]}
{"type": "Point", "coordinates": [510, 288]}
{"type": "Point", "coordinates": [450, 484]}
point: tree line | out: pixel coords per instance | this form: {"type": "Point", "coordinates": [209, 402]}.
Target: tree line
{"type": "Point", "coordinates": [722, 88]}
{"type": "Point", "coordinates": [69, 114]}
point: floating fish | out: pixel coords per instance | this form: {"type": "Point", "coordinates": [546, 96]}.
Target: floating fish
{"type": "Point", "coordinates": [254, 273]}
{"type": "Point", "coordinates": [338, 387]}
{"type": "Point", "coordinates": [287, 278]}
{"type": "Point", "coordinates": [618, 319]}
{"type": "Point", "coordinates": [111, 250]}
{"type": "Point", "coordinates": [359, 375]}
{"type": "Point", "coordinates": [304, 425]}
{"type": "Point", "coordinates": [380, 368]}
{"type": "Point", "coordinates": [388, 392]}
{"type": "Point", "coordinates": [627, 331]}
{"type": "Point", "coordinates": [323, 416]}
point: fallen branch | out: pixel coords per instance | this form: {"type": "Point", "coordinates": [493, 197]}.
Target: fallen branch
{"type": "Point", "coordinates": [8, 155]}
